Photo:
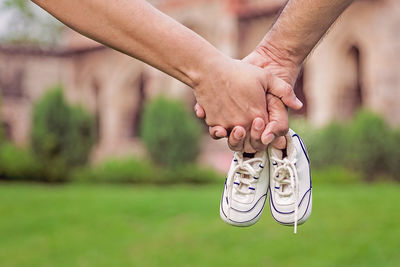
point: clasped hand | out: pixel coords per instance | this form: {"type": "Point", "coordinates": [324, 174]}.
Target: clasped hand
{"type": "Point", "coordinates": [245, 100]}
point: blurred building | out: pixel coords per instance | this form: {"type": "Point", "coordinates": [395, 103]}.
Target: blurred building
{"type": "Point", "coordinates": [356, 65]}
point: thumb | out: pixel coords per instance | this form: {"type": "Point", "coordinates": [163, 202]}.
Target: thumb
{"type": "Point", "coordinates": [282, 90]}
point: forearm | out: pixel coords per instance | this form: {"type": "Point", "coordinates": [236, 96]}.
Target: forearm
{"type": "Point", "coordinates": [137, 29]}
{"type": "Point", "coordinates": [300, 26]}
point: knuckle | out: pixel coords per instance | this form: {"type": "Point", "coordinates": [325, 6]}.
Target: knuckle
{"type": "Point", "coordinates": [233, 148]}
{"type": "Point", "coordinates": [287, 90]}
{"type": "Point", "coordinates": [282, 131]}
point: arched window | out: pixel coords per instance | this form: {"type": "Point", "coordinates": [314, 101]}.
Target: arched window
{"type": "Point", "coordinates": [96, 93]}
{"type": "Point", "coordinates": [7, 130]}
{"type": "Point", "coordinates": [357, 100]}
{"type": "Point", "coordinates": [351, 95]}
{"type": "Point", "coordinates": [11, 83]}
{"type": "Point", "coordinates": [141, 94]}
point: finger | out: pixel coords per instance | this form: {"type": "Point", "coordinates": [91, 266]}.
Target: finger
{"type": "Point", "coordinates": [279, 142]}
{"type": "Point", "coordinates": [236, 138]}
{"type": "Point", "coordinates": [217, 132]}
{"type": "Point", "coordinates": [285, 92]}
{"type": "Point", "coordinates": [256, 131]}
{"type": "Point", "coordinates": [274, 129]}
{"type": "Point", "coordinates": [200, 113]}
{"type": "Point", "coordinates": [278, 117]}
{"type": "Point", "coordinates": [282, 90]}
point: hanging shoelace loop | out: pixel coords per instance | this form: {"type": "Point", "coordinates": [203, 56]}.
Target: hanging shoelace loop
{"type": "Point", "coordinates": [285, 174]}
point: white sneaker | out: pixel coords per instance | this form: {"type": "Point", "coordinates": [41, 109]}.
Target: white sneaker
{"type": "Point", "coordinates": [290, 182]}
{"type": "Point", "coordinates": [245, 189]}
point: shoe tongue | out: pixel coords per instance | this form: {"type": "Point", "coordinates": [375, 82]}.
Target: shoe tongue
{"type": "Point", "coordinates": [249, 156]}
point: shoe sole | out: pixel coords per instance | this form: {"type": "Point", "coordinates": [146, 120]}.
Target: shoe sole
{"type": "Point", "coordinates": [245, 223]}
{"type": "Point", "coordinates": [302, 219]}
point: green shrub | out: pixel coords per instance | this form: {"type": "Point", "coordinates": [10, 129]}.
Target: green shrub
{"type": "Point", "coordinates": [329, 146]}
{"type": "Point", "coordinates": [171, 134]}
{"type": "Point", "coordinates": [80, 138]}
{"type": "Point", "coordinates": [133, 170]}
{"type": "Point", "coordinates": [3, 137]}
{"type": "Point", "coordinates": [18, 163]}
{"type": "Point", "coordinates": [369, 144]}
{"type": "Point", "coordinates": [128, 170]}
{"type": "Point", "coordinates": [61, 136]}
{"type": "Point", "coordinates": [394, 158]}
{"type": "Point", "coordinates": [191, 173]}
{"type": "Point", "coordinates": [336, 175]}
{"type": "Point", "coordinates": [366, 145]}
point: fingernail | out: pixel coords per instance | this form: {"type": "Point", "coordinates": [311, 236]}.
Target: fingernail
{"type": "Point", "coordinates": [258, 124]}
{"type": "Point", "coordinates": [267, 139]}
{"type": "Point", "coordinates": [299, 103]}
{"type": "Point", "coordinates": [238, 134]}
{"type": "Point", "coordinates": [219, 134]}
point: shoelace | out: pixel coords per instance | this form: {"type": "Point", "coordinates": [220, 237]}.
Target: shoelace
{"type": "Point", "coordinates": [243, 167]}
{"type": "Point", "coordinates": [286, 174]}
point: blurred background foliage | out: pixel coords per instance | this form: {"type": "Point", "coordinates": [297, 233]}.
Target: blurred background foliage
{"type": "Point", "coordinates": [365, 144]}
{"type": "Point", "coordinates": [171, 134]}
{"type": "Point", "coordinates": [26, 24]}
{"type": "Point", "coordinates": [62, 137]}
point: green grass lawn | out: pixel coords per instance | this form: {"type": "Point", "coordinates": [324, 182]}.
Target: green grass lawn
{"type": "Point", "coordinates": [76, 225]}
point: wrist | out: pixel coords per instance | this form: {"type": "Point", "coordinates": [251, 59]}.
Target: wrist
{"type": "Point", "coordinates": [208, 64]}
{"type": "Point", "coordinates": [279, 52]}
{"type": "Point", "coordinates": [276, 61]}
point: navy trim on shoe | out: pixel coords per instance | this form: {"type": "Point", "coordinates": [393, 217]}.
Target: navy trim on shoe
{"type": "Point", "coordinates": [222, 209]}
{"type": "Point", "coordinates": [291, 223]}
{"type": "Point", "coordinates": [302, 147]}
{"type": "Point", "coordinates": [243, 211]}
{"type": "Point", "coordinates": [289, 212]}
{"type": "Point", "coordinates": [308, 191]}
